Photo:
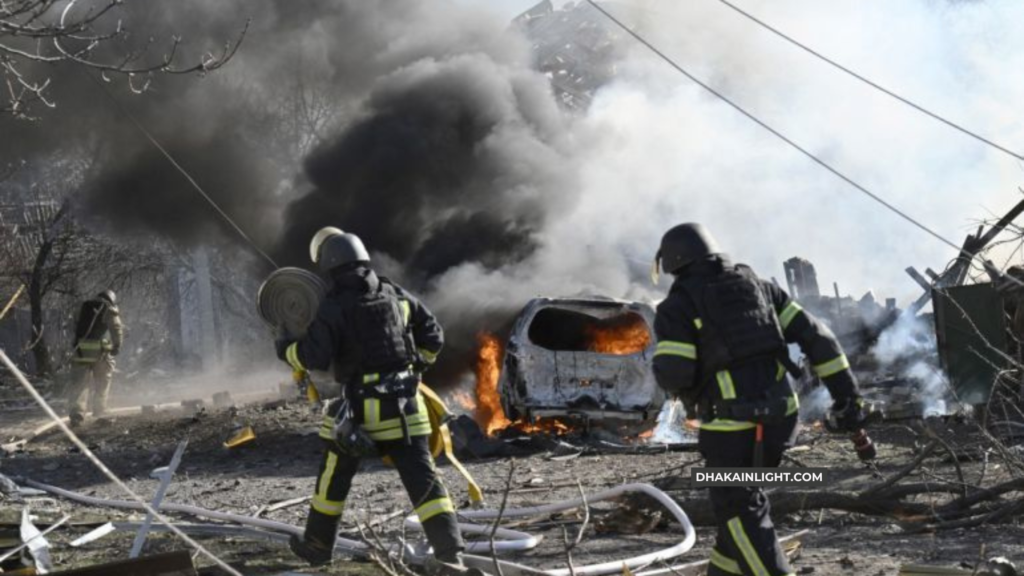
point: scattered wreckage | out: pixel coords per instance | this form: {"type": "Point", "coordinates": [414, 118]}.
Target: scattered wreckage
{"type": "Point", "coordinates": [587, 360]}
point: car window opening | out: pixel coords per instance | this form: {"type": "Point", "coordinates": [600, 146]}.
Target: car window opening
{"type": "Point", "coordinates": [562, 330]}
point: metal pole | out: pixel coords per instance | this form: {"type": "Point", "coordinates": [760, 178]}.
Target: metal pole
{"type": "Point", "coordinates": [29, 541]}
{"type": "Point", "coordinates": [165, 481]}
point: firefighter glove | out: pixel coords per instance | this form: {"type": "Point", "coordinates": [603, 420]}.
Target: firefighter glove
{"type": "Point", "coordinates": [848, 415]}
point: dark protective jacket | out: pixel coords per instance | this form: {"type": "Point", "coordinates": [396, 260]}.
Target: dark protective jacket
{"type": "Point", "coordinates": [334, 336]}
{"type": "Point", "coordinates": [98, 330]}
{"type": "Point", "coordinates": [682, 371]}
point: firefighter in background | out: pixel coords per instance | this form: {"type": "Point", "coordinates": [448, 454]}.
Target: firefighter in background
{"type": "Point", "coordinates": [722, 349]}
{"type": "Point", "coordinates": [98, 337]}
{"type": "Point", "coordinates": [379, 339]}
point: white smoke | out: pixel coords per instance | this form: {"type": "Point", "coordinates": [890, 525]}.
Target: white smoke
{"type": "Point", "coordinates": [908, 350]}
{"type": "Point", "coordinates": [911, 337]}
{"type": "Point", "coordinates": [656, 150]}
{"type": "Point", "coordinates": [815, 405]}
{"type": "Point", "coordinates": [933, 386]}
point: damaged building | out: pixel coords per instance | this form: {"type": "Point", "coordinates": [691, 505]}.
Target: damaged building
{"type": "Point", "coordinates": [574, 46]}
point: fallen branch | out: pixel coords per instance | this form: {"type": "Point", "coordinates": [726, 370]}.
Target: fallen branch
{"type": "Point", "coordinates": [287, 503]}
{"type": "Point", "coordinates": [570, 546]}
{"type": "Point", "coordinates": [379, 555]}
{"type": "Point", "coordinates": [902, 472]}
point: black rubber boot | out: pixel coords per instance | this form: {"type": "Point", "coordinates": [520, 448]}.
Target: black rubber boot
{"type": "Point", "coordinates": [453, 558]}
{"type": "Point", "coordinates": [442, 532]}
{"type": "Point", "coordinates": [317, 544]}
{"type": "Point", "coordinates": [310, 550]}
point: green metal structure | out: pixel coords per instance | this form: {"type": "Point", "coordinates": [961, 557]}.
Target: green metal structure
{"type": "Point", "coordinates": [973, 345]}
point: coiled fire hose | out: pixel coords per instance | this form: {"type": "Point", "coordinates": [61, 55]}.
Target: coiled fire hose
{"type": "Point", "coordinates": [289, 298]}
{"type": "Point", "coordinates": [288, 301]}
{"type": "Point", "coordinates": [506, 540]}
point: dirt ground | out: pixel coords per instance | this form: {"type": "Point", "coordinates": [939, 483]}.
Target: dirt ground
{"type": "Point", "coordinates": [282, 462]}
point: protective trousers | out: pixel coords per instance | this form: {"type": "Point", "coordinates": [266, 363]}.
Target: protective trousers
{"type": "Point", "coordinates": [426, 490]}
{"type": "Point", "coordinates": [91, 377]}
{"type": "Point", "coordinates": [746, 543]}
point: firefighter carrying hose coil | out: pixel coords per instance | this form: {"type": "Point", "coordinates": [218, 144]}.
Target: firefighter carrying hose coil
{"type": "Point", "coordinates": [722, 349]}
{"type": "Point", "coordinates": [98, 337]}
{"type": "Point", "coordinates": [378, 338]}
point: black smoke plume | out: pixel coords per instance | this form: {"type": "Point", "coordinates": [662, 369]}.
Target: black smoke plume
{"type": "Point", "coordinates": [458, 162]}
{"type": "Point", "coordinates": [418, 125]}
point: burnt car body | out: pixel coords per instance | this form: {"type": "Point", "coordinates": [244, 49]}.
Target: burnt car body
{"type": "Point", "coordinates": [582, 358]}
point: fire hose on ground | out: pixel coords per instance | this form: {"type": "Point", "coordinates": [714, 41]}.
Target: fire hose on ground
{"type": "Point", "coordinates": [506, 540]}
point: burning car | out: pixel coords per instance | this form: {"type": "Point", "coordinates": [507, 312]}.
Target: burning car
{"type": "Point", "coordinates": [581, 358]}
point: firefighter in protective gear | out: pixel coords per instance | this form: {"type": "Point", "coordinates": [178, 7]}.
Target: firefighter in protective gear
{"type": "Point", "coordinates": [378, 338]}
{"type": "Point", "coordinates": [98, 337]}
{"type": "Point", "coordinates": [722, 348]}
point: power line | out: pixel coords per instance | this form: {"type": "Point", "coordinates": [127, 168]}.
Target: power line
{"type": "Point", "coordinates": [775, 132]}
{"type": "Point", "coordinates": [869, 82]}
{"type": "Point", "coordinates": [149, 136]}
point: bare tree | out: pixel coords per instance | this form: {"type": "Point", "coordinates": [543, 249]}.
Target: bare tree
{"type": "Point", "coordinates": [60, 263]}
{"type": "Point", "coordinates": [288, 119]}
{"type": "Point", "coordinates": [41, 242]}
{"type": "Point", "coordinates": [56, 242]}
{"type": "Point", "coordinates": [35, 33]}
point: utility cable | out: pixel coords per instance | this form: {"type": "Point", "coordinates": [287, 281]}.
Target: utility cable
{"type": "Point", "coordinates": [149, 136]}
{"type": "Point", "coordinates": [103, 468]}
{"type": "Point", "coordinates": [810, 155]}
{"type": "Point", "coordinates": [870, 82]}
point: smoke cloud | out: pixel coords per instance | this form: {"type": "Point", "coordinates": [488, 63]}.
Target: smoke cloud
{"type": "Point", "coordinates": [908, 349]}
{"type": "Point", "coordinates": [455, 161]}
{"type": "Point", "coordinates": [664, 150]}
{"type": "Point", "coordinates": [420, 126]}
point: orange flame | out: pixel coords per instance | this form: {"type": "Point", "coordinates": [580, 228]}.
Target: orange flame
{"type": "Point", "coordinates": [544, 426]}
{"type": "Point", "coordinates": [627, 334]}
{"type": "Point", "coordinates": [489, 413]}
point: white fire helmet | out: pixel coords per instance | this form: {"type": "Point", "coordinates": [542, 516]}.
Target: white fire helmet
{"type": "Point", "coordinates": [318, 240]}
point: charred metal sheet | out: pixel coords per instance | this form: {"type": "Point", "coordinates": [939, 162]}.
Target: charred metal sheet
{"type": "Point", "coordinates": [588, 357]}
{"type": "Point", "coordinates": [169, 564]}
{"type": "Point", "coordinates": [972, 338]}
